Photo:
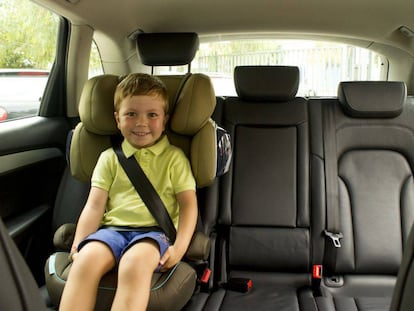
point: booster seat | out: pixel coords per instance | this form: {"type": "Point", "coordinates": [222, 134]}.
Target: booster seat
{"type": "Point", "coordinates": [192, 101]}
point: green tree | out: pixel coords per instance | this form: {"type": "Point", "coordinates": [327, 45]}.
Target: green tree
{"type": "Point", "coordinates": [28, 35]}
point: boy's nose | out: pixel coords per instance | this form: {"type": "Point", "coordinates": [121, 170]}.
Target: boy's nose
{"type": "Point", "coordinates": [140, 120]}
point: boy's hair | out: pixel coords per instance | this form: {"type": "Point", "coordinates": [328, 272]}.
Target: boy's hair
{"type": "Point", "coordinates": [136, 84]}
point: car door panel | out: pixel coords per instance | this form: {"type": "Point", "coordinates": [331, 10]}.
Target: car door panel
{"type": "Point", "coordinates": [32, 160]}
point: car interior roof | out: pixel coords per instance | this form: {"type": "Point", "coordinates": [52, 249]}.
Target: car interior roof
{"type": "Point", "coordinates": [324, 17]}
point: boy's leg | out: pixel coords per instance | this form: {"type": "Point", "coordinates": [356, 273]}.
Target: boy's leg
{"type": "Point", "coordinates": [135, 271]}
{"type": "Point", "coordinates": [92, 262]}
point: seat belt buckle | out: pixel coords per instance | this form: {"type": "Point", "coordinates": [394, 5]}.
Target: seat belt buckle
{"type": "Point", "coordinates": [205, 276]}
{"type": "Point", "coordinates": [316, 279]}
{"type": "Point", "coordinates": [317, 272]}
{"type": "Point", "coordinates": [335, 237]}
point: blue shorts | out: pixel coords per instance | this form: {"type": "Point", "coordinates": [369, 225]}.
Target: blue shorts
{"type": "Point", "coordinates": [120, 241]}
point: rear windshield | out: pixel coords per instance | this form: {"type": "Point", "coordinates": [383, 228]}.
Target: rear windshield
{"type": "Point", "coordinates": [322, 65]}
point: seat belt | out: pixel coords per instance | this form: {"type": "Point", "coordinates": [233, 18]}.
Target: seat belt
{"type": "Point", "coordinates": [332, 232]}
{"type": "Point", "coordinates": [145, 189]}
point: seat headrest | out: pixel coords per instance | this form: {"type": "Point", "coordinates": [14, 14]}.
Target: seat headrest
{"type": "Point", "coordinates": [266, 83]}
{"type": "Point", "coordinates": [96, 106]}
{"type": "Point", "coordinates": [167, 48]}
{"type": "Point", "coordinates": [372, 99]}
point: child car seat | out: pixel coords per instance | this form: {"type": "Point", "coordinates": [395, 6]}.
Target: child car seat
{"type": "Point", "coordinates": [190, 127]}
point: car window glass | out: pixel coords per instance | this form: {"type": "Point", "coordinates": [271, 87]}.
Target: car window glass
{"type": "Point", "coordinates": [28, 38]}
{"type": "Point", "coordinates": [322, 65]}
{"type": "Point", "coordinates": [95, 62]}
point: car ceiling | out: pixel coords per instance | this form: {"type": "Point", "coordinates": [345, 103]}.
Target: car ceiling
{"type": "Point", "coordinates": [369, 20]}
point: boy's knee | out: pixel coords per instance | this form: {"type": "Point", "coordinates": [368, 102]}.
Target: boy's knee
{"type": "Point", "coordinates": [95, 256]}
{"type": "Point", "coordinates": [140, 258]}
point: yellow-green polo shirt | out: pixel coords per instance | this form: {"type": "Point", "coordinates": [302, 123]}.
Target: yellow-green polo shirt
{"type": "Point", "coordinates": [166, 167]}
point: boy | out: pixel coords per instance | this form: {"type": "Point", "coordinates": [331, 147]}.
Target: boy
{"type": "Point", "coordinates": [128, 237]}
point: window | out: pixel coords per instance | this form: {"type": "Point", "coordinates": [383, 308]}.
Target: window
{"type": "Point", "coordinates": [322, 65]}
{"type": "Point", "coordinates": [95, 62]}
{"type": "Point", "coordinates": [28, 38]}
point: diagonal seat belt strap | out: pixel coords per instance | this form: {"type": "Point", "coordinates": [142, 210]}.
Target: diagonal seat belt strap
{"type": "Point", "coordinates": [146, 190]}
{"type": "Point", "coordinates": [331, 183]}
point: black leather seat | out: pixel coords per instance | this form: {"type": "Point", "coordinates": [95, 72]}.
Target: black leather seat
{"type": "Point", "coordinates": [264, 221]}
{"type": "Point", "coordinates": [372, 130]}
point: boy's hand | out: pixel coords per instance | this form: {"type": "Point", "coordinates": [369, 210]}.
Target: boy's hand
{"type": "Point", "coordinates": [170, 258]}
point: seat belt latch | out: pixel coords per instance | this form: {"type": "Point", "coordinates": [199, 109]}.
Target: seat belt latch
{"type": "Point", "coordinates": [335, 237]}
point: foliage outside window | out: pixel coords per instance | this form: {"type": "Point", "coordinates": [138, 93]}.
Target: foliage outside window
{"type": "Point", "coordinates": [28, 35]}
{"type": "Point", "coordinates": [95, 62]}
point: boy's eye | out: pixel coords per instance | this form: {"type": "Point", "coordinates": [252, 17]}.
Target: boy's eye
{"type": "Point", "coordinates": [130, 114]}
{"type": "Point", "coordinates": [152, 115]}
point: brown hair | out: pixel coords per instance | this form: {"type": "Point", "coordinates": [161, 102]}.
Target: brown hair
{"type": "Point", "coordinates": [136, 84]}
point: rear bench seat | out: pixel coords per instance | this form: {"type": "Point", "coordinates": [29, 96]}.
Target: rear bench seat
{"type": "Point", "coordinates": [373, 161]}
{"type": "Point", "coordinates": [267, 230]}
{"type": "Point", "coordinates": [264, 222]}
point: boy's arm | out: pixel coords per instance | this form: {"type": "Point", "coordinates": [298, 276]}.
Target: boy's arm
{"type": "Point", "coordinates": [91, 215]}
{"type": "Point", "coordinates": [187, 201]}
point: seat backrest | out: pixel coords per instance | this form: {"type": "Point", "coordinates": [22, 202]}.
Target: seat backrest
{"type": "Point", "coordinates": [375, 163]}
{"type": "Point", "coordinates": [265, 196]}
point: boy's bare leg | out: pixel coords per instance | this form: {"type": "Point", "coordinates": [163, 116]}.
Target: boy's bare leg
{"type": "Point", "coordinates": [92, 262]}
{"type": "Point", "coordinates": [136, 268]}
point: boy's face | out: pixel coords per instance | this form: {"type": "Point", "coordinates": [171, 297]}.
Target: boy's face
{"type": "Point", "coordinates": [141, 120]}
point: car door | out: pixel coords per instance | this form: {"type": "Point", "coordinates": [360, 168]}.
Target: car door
{"type": "Point", "coordinates": [32, 148]}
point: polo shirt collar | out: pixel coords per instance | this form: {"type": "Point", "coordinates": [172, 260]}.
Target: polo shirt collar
{"type": "Point", "coordinates": [156, 149]}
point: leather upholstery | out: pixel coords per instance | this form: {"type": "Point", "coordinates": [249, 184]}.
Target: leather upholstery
{"type": "Point", "coordinates": [180, 48]}
{"type": "Point", "coordinates": [268, 83]}
{"type": "Point", "coordinates": [372, 99]}
{"type": "Point", "coordinates": [374, 154]}
{"type": "Point", "coordinates": [265, 196]}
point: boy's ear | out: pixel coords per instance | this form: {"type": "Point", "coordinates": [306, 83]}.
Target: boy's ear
{"type": "Point", "coordinates": [116, 118]}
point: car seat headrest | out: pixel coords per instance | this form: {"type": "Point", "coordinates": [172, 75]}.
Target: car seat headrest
{"type": "Point", "coordinates": [96, 106]}
{"type": "Point", "coordinates": [194, 105]}
{"type": "Point", "coordinates": [266, 83]}
{"type": "Point", "coordinates": [372, 99]}
{"type": "Point", "coordinates": [167, 49]}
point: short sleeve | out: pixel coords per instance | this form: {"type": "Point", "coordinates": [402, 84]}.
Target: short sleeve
{"type": "Point", "coordinates": [102, 176]}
